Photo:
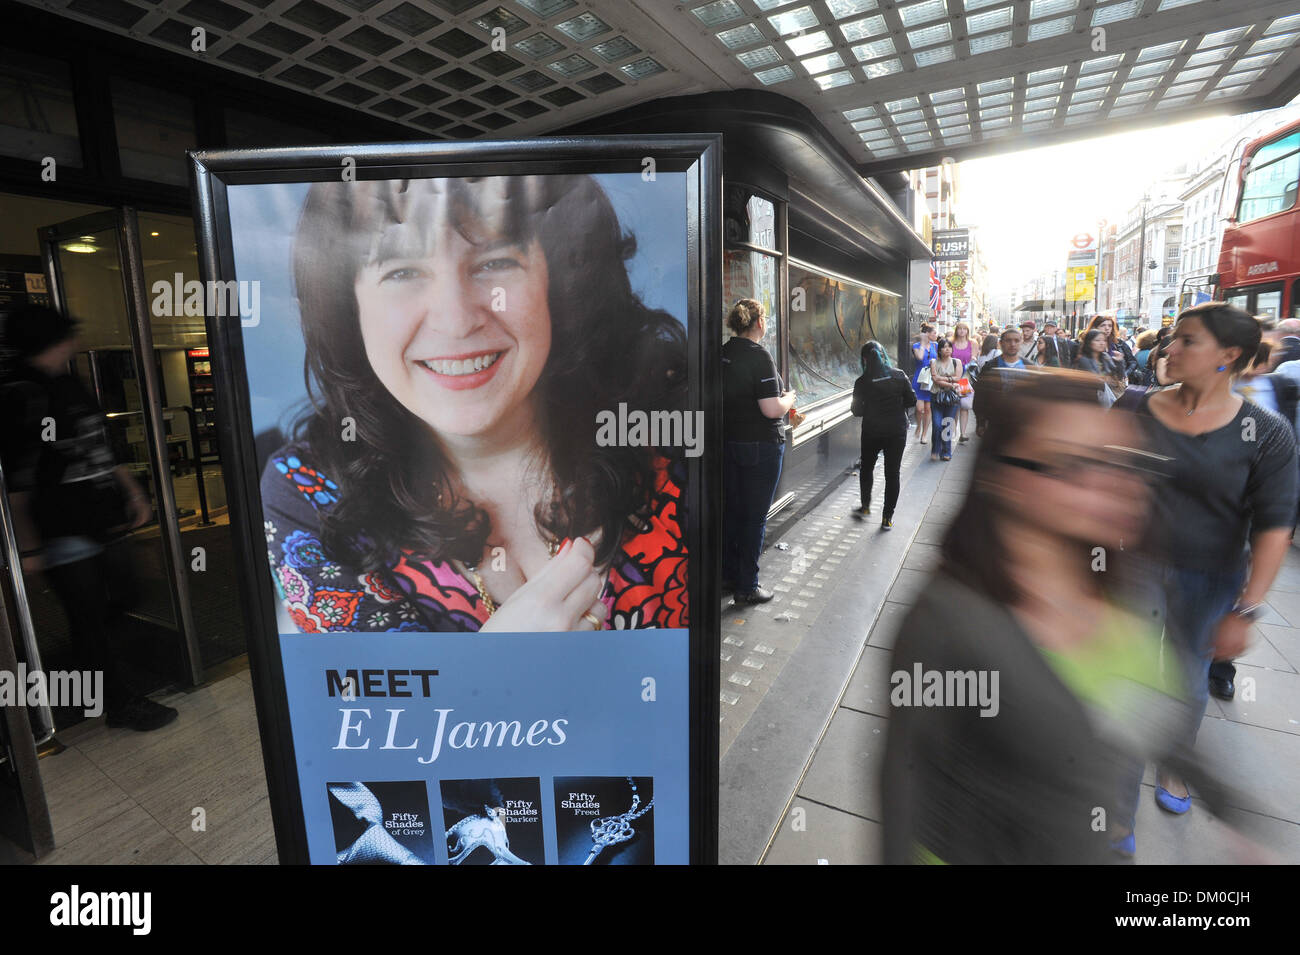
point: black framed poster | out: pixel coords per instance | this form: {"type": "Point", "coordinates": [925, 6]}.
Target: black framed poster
{"type": "Point", "coordinates": [465, 393]}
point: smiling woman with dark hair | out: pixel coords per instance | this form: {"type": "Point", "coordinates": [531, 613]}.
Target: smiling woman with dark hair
{"type": "Point", "coordinates": [462, 337]}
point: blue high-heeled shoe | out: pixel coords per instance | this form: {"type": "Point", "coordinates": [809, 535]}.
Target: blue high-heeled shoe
{"type": "Point", "coordinates": [1127, 847]}
{"type": "Point", "coordinates": [1171, 803]}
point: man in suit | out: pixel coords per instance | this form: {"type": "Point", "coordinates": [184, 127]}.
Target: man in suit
{"type": "Point", "coordinates": [1064, 344]}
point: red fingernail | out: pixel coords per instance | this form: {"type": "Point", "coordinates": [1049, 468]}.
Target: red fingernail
{"type": "Point", "coordinates": [564, 546]}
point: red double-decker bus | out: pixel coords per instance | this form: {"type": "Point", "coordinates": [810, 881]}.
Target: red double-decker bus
{"type": "Point", "coordinates": [1259, 260]}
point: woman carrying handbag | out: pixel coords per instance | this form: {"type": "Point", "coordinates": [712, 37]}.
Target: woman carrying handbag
{"type": "Point", "coordinates": [945, 390]}
{"type": "Point", "coordinates": [923, 351]}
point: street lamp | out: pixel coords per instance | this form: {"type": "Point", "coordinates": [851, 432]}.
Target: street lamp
{"type": "Point", "coordinates": [1142, 254]}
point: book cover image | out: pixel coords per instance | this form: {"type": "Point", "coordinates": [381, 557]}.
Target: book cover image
{"type": "Point", "coordinates": [381, 823]}
{"type": "Point", "coordinates": [493, 821]}
{"type": "Point", "coordinates": [605, 820]}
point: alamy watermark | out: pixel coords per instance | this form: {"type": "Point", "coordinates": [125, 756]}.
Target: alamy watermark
{"type": "Point", "coordinates": [651, 429]}
{"type": "Point", "coordinates": [133, 910]}
{"type": "Point", "coordinates": [959, 688]}
{"type": "Point", "coordinates": [72, 689]}
{"type": "Point", "coordinates": [175, 297]}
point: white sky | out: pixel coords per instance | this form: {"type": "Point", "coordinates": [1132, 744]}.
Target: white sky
{"type": "Point", "coordinates": [1027, 206]}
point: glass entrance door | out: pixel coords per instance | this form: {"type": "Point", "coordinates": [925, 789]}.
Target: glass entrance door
{"type": "Point", "coordinates": [180, 341]}
{"type": "Point", "coordinates": [96, 275]}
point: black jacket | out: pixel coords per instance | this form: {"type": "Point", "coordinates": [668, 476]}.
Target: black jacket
{"type": "Point", "coordinates": [1069, 350]}
{"type": "Point", "coordinates": [54, 443]}
{"type": "Point", "coordinates": [1130, 372]}
{"type": "Point", "coordinates": [882, 403]}
{"type": "Point", "coordinates": [1103, 367]}
{"type": "Point", "coordinates": [1288, 349]}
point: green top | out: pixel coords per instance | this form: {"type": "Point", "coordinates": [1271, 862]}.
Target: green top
{"type": "Point", "coordinates": [1118, 676]}
{"type": "Point", "coordinates": [1123, 652]}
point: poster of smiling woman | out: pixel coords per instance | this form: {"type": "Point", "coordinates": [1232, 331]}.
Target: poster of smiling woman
{"type": "Point", "coordinates": [469, 421]}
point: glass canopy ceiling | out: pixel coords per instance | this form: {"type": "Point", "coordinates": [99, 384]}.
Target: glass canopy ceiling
{"type": "Point", "coordinates": [893, 82]}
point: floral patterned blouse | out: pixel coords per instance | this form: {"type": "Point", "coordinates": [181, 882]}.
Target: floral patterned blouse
{"type": "Point", "coordinates": [646, 587]}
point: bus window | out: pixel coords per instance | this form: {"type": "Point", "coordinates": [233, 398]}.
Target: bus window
{"type": "Point", "coordinates": [1268, 304]}
{"type": "Point", "coordinates": [1295, 299]}
{"type": "Point", "coordinates": [1261, 301]}
{"type": "Point", "coordinates": [1270, 184]}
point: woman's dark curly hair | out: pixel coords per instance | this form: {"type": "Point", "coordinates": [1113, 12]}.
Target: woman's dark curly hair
{"type": "Point", "coordinates": [607, 347]}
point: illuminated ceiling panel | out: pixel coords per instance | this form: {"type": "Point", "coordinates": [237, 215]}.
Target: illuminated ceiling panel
{"type": "Point", "coordinates": [518, 68]}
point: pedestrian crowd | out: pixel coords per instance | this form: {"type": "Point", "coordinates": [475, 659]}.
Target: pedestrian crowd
{"type": "Point", "coordinates": [1130, 507]}
{"type": "Point", "coordinates": [1129, 510]}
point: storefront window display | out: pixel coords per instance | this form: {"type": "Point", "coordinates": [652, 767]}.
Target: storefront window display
{"type": "Point", "coordinates": [827, 333]}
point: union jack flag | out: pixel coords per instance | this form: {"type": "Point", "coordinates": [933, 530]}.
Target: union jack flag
{"type": "Point", "coordinates": [934, 290]}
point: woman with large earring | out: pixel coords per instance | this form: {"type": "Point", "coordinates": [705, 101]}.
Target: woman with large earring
{"type": "Point", "coordinates": [1223, 517]}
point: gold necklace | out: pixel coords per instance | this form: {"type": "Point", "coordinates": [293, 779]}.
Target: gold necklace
{"type": "Point", "coordinates": [1202, 407]}
{"type": "Point", "coordinates": [552, 548]}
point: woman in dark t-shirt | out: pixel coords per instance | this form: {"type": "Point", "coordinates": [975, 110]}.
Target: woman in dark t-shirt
{"type": "Point", "coordinates": [753, 406]}
{"type": "Point", "coordinates": [1232, 475]}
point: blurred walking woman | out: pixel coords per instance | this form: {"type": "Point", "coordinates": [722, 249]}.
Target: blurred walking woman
{"type": "Point", "coordinates": [881, 398]}
{"type": "Point", "coordinates": [1233, 481]}
{"type": "Point", "coordinates": [475, 425]}
{"type": "Point", "coordinates": [1066, 686]}
{"type": "Point", "coordinates": [753, 406]}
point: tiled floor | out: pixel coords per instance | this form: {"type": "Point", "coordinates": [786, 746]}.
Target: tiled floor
{"type": "Point", "coordinates": [193, 792]}
{"type": "Point", "coordinates": [835, 815]}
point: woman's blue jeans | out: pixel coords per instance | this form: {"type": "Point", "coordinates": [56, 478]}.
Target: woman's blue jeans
{"type": "Point", "coordinates": [945, 427]}
{"type": "Point", "coordinates": [1190, 604]}
{"type": "Point", "coordinates": [751, 471]}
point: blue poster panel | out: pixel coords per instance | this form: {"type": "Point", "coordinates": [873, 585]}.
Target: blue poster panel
{"type": "Point", "coordinates": [469, 408]}
{"type": "Point", "coordinates": [424, 748]}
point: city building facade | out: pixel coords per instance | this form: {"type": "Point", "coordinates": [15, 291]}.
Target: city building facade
{"type": "Point", "coordinates": [1148, 254]}
{"type": "Point", "coordinates": [963, 281]}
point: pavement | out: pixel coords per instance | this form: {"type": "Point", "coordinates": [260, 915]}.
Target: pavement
{"type": "Point", "coordinates": [805, 684]}
{"type": "Point", "coordinates": [804, 714]}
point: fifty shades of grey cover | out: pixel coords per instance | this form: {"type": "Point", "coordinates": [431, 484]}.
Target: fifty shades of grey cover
{"type": "Point", "coordinates": [381, 823]}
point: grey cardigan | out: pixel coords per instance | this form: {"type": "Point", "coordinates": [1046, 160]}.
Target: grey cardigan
{"type": "Point", "coordinates": [1021, 787]}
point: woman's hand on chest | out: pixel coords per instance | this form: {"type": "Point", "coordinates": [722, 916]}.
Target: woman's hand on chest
{"type": "Point", "coordinates": [556, 597]}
